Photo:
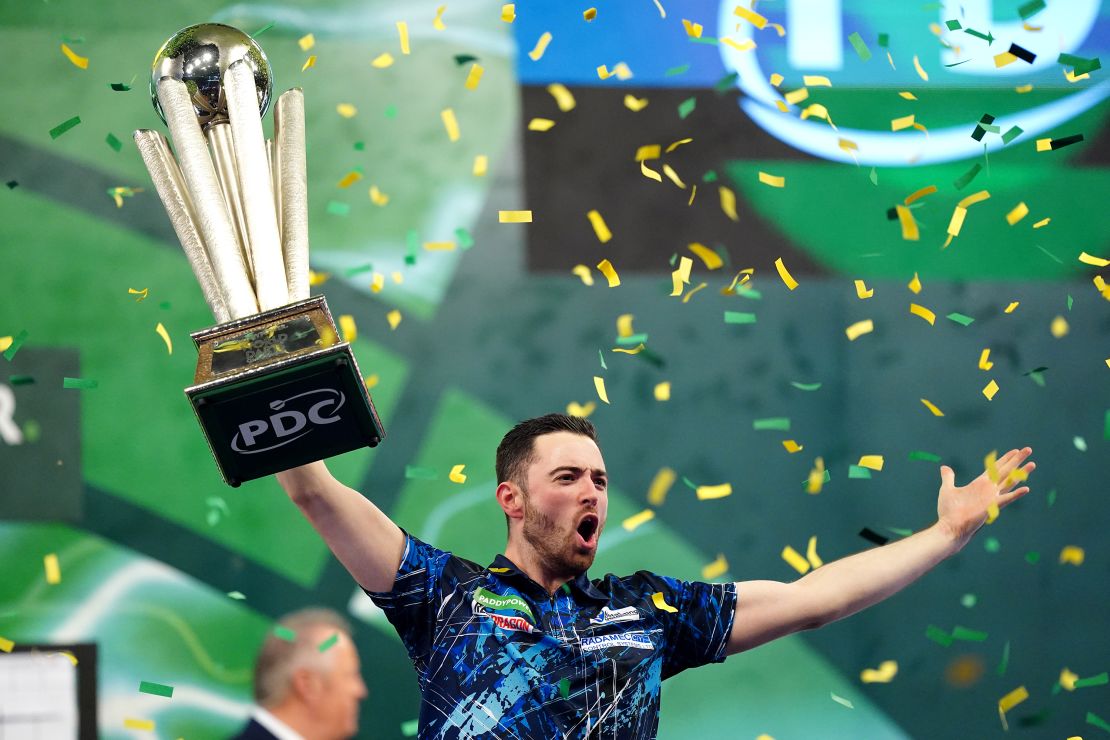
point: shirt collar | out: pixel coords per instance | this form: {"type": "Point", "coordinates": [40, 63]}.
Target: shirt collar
{"type": "Point", "coordinates": [277, 728]}
{"type": "Point", "coordinates": [504, 568]}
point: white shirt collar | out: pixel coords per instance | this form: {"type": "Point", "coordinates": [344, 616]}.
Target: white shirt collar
{"type": "Point", "coordinates": [277, 728]}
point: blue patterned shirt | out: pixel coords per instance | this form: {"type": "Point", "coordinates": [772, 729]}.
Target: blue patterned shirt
{"type": "Point", "coordinates": [498, 657]}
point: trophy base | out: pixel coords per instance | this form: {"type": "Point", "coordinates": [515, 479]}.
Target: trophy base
{"type": "Point", "coordinates": [277, 390]}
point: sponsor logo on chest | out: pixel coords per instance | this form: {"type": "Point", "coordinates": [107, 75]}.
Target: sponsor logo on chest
{"type": "Point", "coordinates": [488, 604]}
{"type": "Point", "coordinates": [628, 639]}
{"type": "Point", "coordinates": [609, 616]}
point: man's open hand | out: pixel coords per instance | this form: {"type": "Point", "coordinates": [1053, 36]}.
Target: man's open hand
{"type": "Point", "coordinates": [961, 511]}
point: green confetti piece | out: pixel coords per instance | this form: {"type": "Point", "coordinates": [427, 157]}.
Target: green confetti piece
{"type": "Point", "coordinates": [358, 270]}
{"type": "Point", "coordinates": [953, 25]}
{"type": "Point", "coordinates": [12, 184]}
{"type": "Point", "coordinates": [705, 40]}
{"type": "Point", "coordinates": [157, 689]}
{"type": "Point", "coordinates": [1050, 254]}
{"type": "Point", "coordinates": [113, 142]}
{"type": "Point", "coordinates": [461, 59]}
{"type": "Point", "coordinates": [988, 37]}
{"type": "Point", "coordinates": [1100, 680]}
{"type": "Point", "coordinates": [1051, 497]}
{"type": "Point", "coordinates": [119, 86]}
{"type": "Point", "coordinates": [414, 473]}
{"type": "Point", "coordinates": [1106, 426]}
{"type": "Point", "coordinates": [360, 146]}
{"type": "Point", "coordinates": [968, 601]}
{"type": "Point", "coordinates": [1099, 722]}
{"type": "Point", "coordinates": [632, 340]}
{"type": "Point", "coordinates": [861, 48]}
{"type": "Point", "coordinates": [858, 472]}
{"type": "Point", "coordinates": [409, 728]}
{"type": "Point", "coordinates": [991, 544]}
{"type": "Point", "coordinates": [285, 633]}
{"type": "Point", "coordinates": [900, 532]}
{"type": "Point", "coordinates": [1070, 301]}
{"type": "Point", "coordinates": [337, 208]}
{"type": "Point", "coordinates": [873, 176]}
{"type": "Point", "coordinates": [327, 644]}
{"type": "Point", "coordinates": [237, 595]}
{"type": "Point", "coordinates": [990, 128]}
{"type": "Point", "coordinates": [1080, 443]}
{"type": "Point", "coordinates": [165, 305]}
{"type": "Point", "coordinates": [960, 319]}
{"type": "Point", "coordinates": [841, 700]}
{"type": "Point", "coordinates": [689, 483]}
{"type": "Point", "coordinates": [21, 380]}
{"type": "Point", "coordinates": [391, 111]}
{"type": "Point", "coordinates": [1030, 9]}
{"type": "Point", "coordinates": [939, 636]}
{"type": "Point", "coordinates": [73, 39]}
{"type": "Point", "coordinates": [263, 30]}
{"type": "Point", "coordinates": [1081, 65]}
{"type": "Point", "coordinates": [1032, 557]}
{"type": "Point", "coordinates": [412, 244]}
{"type": "Point", "coordinates": [675, 71]}
{"type": "Point", "coordinates": [739, 317]}
{"type": "Point", "coordinates": [17, 342]}
{"type": "Point", "coordinates": [805, 386]}
{"type": "Point", "coordinates": [564, 687]}
{"type": "Point", "coordinates": [884, 40]}
{"type": "Point", "coordinates": [710, 176]}
{"type": "Point", "coordinates": [726, 83]}
{"type": "Point", "coordinates": [968, 635]}
{"type": "Point", "coordinates": [772, 424]}
{"type": "Point", "coordinates": [79, 383]}
{"type": "Point", "coordinates": [465, 240]}
{"type": "Point", "coordinates": [926, 456]}
{"type": "Point", "coordinates": [31, 431]}
{"type": "Point", "coordinates": [686, 107]}
{"type": "Point", "coordinates": [64, 126]}
{"type": "Point", "coordinates": [601, 357]}
{"type": "Point", "coordinates": [1012, 133]}
{"type": "Point", "coordinates": [1037, 376]}
{"type": "Point", "coordinates": [1005, 662]}
{"type": "Point", "coordinates": [825, 479]}
{"type": "Point", "coordinates": [965, 179]}
{"type": "Point", "coordinates": [745, 292]}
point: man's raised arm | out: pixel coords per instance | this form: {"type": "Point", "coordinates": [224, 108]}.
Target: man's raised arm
{"type": "Point", "coordinates": [364, 539]}
{"type": "Point", "coordinates": [766, 610]}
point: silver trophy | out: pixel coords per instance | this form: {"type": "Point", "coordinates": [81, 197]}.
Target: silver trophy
{"type": "Point", "coordinates": [274, 386]}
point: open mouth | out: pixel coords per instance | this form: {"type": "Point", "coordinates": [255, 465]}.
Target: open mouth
{"type": "Point", "coordinates": [587, 529]}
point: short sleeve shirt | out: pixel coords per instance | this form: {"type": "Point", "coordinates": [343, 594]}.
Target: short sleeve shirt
{"type": "Point", "coordinates": [498, 657]}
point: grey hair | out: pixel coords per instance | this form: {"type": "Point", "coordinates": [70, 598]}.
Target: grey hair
{"type": "Point", "coordinates": [278, 659]}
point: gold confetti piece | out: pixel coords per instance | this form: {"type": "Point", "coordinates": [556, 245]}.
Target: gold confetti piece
{"type": "Point", "coordinates": [660, 602]}
{"type": "Point", "coordinates": [599, 386]}
{"type": "Point", "coordinates": [624, 325]}
{"type": "Point", "coordinates": [621, 71]}
{"type": "Point", "coordinates": [1044, 145]}
{"type": "Point", "coordinates": [1072, 554]}
{"type": "Point", "coordinates": [660, 484]}
{"type": "Point", "coordinates": [347, 328]}
{"type": "Point", "coordinates": [437, 22]}
{"type": "Point", "coordinates": [990, 390]}
{"type": "Point", "coordinates": [647, 151]}
{"type": "Point", "coordinates": [728, 202]}
{"type": "Point", "coordinates": [923, 312]}
{"type": "Point", "coordinates": [792, 446]}
{"type": "Point", "coordinates": [474, 76]}
{"type": "Point", "coordinates": [782, 106]}
{"type": "Point", "coordinates": [906, 95]}
{"type": "Point", "coordinates": [635, 104]}
{"type": "Point", "coordinates": [858, 329]}
{"type": "Point", "coordinates": [1022, 89]}
{"type": "Point", "coordinates": [1011, 307]}
{"type": "Point", "coordinates": [686, 298]}
{"type": "Point", "coordinates": [920, 71]}
{"type": "Point", "coordinates": [349, 179]}
{"type": "Point", "coordinates": [796, 96]}
{"type": "Point", "coordinates": [673, 176]}
{"type": "Point", "coordinates": [346, 110]}
{"type": "Point", "coordinates": [816, 81]}
{"type": "Point", "coordinates": [681, 275]}
{"type": "Point", "coordinates": [584, 273]}
{"type": "Point", "coordinates": [663, 391]}
{"type": "Point", "coordinates": [1068, 679]}
{"type": "Point", "coordinates": [634, 351]}
{"type": "Point", "coordinates": [309, 63]}
{"type": "Point", "coordinates": [6, 645]}
{"type": "Point", "coordinates": [514, 217]}
{"type": "Point", "coordinates": [787, 278]}
{"type": "Point", "coordinates": [5, 342]}
{"type": "Point", "coordinates": [649, 172]}
{"type": "Point", "coordinates": [816, 477]}
{"type": "Point", "coordinates": [377, 282]}
{"type": "Point", "coordinates": [1042, 222]}
{"type": "Point", "coordinates": [600, 229]}
{"type": "Point", "coordinates": [796, 561]}
{"type": "Point", "coordinates": [377, 197]}
{"type": "Point", "coordinates": [816, 110]}
{"type": "Point", "coordinates": [716, 569]}
{"type": "Point", "coordinates": [636, 520]}
{"type": "Point", "coordinates": [1011, 700]}
{"type": "Point", "coordinates": [747, 272]}
{"type": "Point", "coordinates": [138, 724]}
{"type": "Point", "coordinates": [750, 16]}
{"type": "Point", "coordinates": [450, 123]}
{"type": "Point", "coordinates": [1001, 60]}
{"type": "Point", "coordinates": [862, 291]}
{"type": "Point", "coordinates": [508, 12]}
{"type": "Point", "coordinates": [811, 553]}
{"type": "Point", "coordinates": [709, 258]}
{"type": "Point", "coordinates": [873, 462]}
{"type": "Point", "coordinates": [161, 331]}
{"type": "Point", "coordinates": [403, 34]}
{"type": "Point", "coordinates": [915, 284]}
{"type": "Point", "coordinates": [897, 124]}
{"type": "Point", "coordinates": [772, 180]}
{"type": "Point", "coordinates": [78, 61]}
{"type": "Point", "coordinates": [563, 97]}
{"type": "Point", "coordinates": [456, 475]}
{"type": "Point", "coordinates": [53, 569]}
{"type": "Point", "coordinates": [609, 272]}
{"type": "Point", "coordinates": [306, 42]}
{"type": "Point", "coordinates": [541, 46]}
{"type": "Point", "coordinates": [929, 405]}
{"type": "Point", "coordinates": [1073, 77]}
{"type": "Point", "coordinates": [692, 29]}
{"type": "Point", "coordinates": [885, 673]}
{"type": "Point", "coordinates": [582, 411]}
{"type": "Point", "coordinates": [317, 278]}
{"type": "Point", "coordinates": [1090, 259]}
{"type": "Point", "coordinates": [540, 124]}
{"type": "Point", "coordinates": [918, 194]}
{"type": "Point", "coordinates": [775, 79]}
{"type": "Point", "coordinates": [990, 465]}
{"type": "Point", "coordinates": [1019, 212]}
{"type": "Point", "coordinates": [984, 360]}
{"type": "Point", "coordinates": [142, 297]}
{"type": "Point", "coordinates": [394, 319]}
{"type": "Point", "coordinates": [705, 493]}
{"type": "Point", "coordinates": [481, 164]}
{"type": "Point", "coordinates": [910, 232]}
{"type": "Point", "coordinates": [1059, 327]}
{"type": "Point", "coordinates": [383, 60]}
{"type": "Point", "coordinates": [589, 14]}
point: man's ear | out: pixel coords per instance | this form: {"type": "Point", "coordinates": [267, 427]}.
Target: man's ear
{"type": "Point", "coordinates": [511, 498]}
{"type": "Point", "coordinates": [306, 685]}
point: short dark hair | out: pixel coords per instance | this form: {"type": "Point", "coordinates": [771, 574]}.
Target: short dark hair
{"type": "Point", "coordinates": [515, 453]}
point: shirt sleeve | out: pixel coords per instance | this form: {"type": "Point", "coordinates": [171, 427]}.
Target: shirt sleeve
{"type": "Point", "coordinates": [413, 602]}
{"type": "Point", "coordinates": [698, 630]}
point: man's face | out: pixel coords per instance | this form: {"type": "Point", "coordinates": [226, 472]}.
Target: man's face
{"type": "Point", "coordinates": [336, 706]}
{"type": "Point", "coordinates": [565, 502]}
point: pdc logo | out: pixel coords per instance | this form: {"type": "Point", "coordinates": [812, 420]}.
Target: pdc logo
{"type": "Point", "coordinates": [293, 418]}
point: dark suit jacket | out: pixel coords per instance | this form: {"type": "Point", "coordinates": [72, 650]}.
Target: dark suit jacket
{"type": "Point", "coordinates": [254, 731]}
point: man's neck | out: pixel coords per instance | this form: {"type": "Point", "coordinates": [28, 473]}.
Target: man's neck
{"type": "Point", "coordinates": [291, 722]}
{"type": "Point", "coordinates": [529, 562]}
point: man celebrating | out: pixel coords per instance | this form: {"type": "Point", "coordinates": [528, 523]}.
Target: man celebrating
{"type": "Point", "coordinates": [529, 647]}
